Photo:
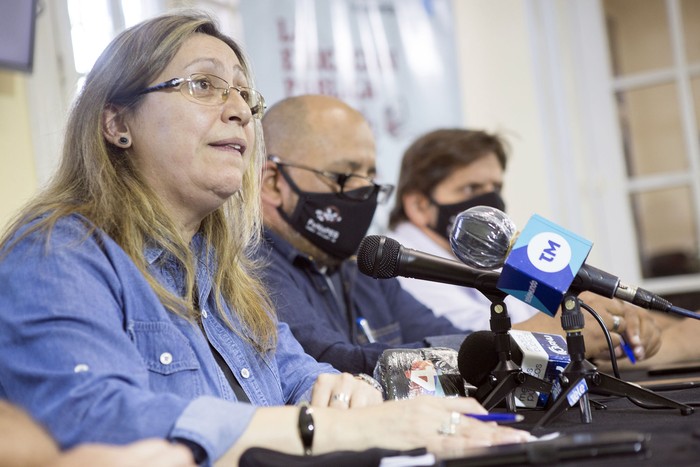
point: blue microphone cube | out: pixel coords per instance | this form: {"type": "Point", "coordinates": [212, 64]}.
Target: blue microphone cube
{"type": "Point", "coordinates": [545, 356]}
{"type": "Point", "coordinates": [542, 264]}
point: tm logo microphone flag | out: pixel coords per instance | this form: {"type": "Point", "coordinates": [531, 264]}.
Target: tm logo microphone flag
{"type": "Point", "coordinates": [542, 264]}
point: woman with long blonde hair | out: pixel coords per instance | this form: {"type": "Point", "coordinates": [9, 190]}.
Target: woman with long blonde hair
{"type": "Point", "coordinates": [129, 305]}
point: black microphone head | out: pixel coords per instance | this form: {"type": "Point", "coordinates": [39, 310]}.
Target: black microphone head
{"type": "Point", "coordinates": [477, 357]}
{"type": "Point", "coordinates": [481, 237]}
{"type": "Point", "coordinates": [378, 256]}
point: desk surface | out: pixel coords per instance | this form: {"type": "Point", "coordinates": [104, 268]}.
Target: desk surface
{"type": "Point", "coordinates": [674, 438]}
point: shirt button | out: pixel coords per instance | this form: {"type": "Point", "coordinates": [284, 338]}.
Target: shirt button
{"type": "Point", "coordinates": [166, 358]}
{"type": "Point", "coordinates": [245, 373]}
{"type": "Point", "coordinates": [204, 314]}
{"type": "Point", "coordinates": [81, 367]}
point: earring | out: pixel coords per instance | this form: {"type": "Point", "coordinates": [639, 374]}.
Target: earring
{"type": "Point", "coordinates": [123, 140]}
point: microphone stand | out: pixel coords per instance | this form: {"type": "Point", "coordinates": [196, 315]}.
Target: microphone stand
{"type": "Point", "coordinates": [581, 377]}
{"type": "Point", "coordinates": [506, 376]}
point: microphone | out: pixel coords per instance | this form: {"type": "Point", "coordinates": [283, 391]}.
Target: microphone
{"type": "Point", "coordinates": [541, 355]}
{"type": "Point", "coordinates": [544, 263]}
{"type": "Point", "coordinates": [383, 258]}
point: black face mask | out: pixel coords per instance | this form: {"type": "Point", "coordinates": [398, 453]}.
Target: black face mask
{"type": "Point", "coordinates": [448, 212]}
{"type": "Point", "coordinates": [333, 223]}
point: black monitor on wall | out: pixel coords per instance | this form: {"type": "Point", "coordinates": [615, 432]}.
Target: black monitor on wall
{"type": "Point", "coordinates": [17, 28]}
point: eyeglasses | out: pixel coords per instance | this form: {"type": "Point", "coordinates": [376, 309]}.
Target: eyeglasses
{"type": "Point", "coordinates": [212, 90]}
{"type": "Point", "coordinates": [351, 186]}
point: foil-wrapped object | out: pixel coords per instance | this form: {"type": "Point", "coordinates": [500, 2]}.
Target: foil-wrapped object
{"type": "Point", "coordinates": [407, 373]}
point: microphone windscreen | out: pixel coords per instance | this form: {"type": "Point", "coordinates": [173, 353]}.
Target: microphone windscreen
{"type": "Point", "coordinates": [378, 256]}
{"type": "Point", "coordinates": [477, 356]}
{"type": "Point", "coordinates": [481, 237]}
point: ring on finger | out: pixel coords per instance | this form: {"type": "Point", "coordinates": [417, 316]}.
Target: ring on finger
{"type": "Point", "coordinates": [341, 397]}
{"type": "Point", "coordinates": [616, 323]}
{"type": "Point", "coordinates": [450, 428]}
{"type": "Point", "coordinates": [447, 429]}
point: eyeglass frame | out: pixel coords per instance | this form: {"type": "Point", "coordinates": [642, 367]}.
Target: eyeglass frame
{"type": "Point", "coordinates": [383, 191]}
{"type": "Point", "coordinates": [178, 82]}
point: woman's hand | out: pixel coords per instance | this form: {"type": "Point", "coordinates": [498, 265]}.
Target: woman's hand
{"type": "Point", "coordinates": [436, 423]}
{"type": "Point", "coordinates": [343, 391]}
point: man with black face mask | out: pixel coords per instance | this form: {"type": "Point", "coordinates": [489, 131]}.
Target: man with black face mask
{"type": "Point", "coordinates": [319, 196]}
{"type": "Point", "coordinates": [447, 171]}
{"type": "Point", "coordinates": [442, 174]}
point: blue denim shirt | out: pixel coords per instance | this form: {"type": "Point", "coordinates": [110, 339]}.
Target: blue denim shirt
{"type": "Point", "coordinates": [310, 300]}
{"type": "Point", "coordinates": [91, 353]}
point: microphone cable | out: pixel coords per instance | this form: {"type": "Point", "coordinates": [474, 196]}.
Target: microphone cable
{"type": "Point", "coordinates": [606, 333]}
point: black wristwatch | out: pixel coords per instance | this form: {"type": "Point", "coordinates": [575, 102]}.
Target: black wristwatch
{"type": "Point", "coordinates": [306, 428]}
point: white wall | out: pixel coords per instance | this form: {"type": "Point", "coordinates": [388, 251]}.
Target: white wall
{"type": "Point", "coordinates": [537, 71]}
{"type": "Point", "coordinates": [499, 94]}
{"type": "Point", "coordinates": [17, 169]}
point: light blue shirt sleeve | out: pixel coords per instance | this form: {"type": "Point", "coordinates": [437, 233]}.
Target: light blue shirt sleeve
{"type": "Point", "coordinates": [207, 422]}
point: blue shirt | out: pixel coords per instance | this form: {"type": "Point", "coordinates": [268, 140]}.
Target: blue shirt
{"type": "Point", "coordinates": [322, 309]}
{"type": "Point", "coordinates": [89, 350]}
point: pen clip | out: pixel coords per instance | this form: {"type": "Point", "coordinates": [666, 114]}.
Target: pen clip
{"type": "Point", "coordinates": [366, 330]}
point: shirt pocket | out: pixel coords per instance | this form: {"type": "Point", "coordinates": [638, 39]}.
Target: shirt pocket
{"type": "Point", "coordinates": [172, 363]}
{"type": "Point", "coordinates": [389, 334]}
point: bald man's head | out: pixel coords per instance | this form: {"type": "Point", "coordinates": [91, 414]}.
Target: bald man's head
{"type": "Point", "coordinates": [318, 142]}
{"type": "Point", "coordinates": [300, 128]}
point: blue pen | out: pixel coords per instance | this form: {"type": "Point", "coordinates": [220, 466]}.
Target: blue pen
{"type": "Point", "coordinates": [497, 417]}
{"type": "Point", "coordinates": [366, 330]}
{"type": "Point", "coordinates": [628, 350]}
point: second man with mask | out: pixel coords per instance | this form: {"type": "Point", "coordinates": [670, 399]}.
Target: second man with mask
{"type": "Point", "coordinates": [449, 170]}
{"type": "Point", "coordinates": [319, 196]}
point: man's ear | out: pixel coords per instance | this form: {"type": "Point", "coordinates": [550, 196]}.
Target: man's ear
{"type": "Point", "coordinates": [114, 129]}
{"type": "Point", "coordinates": [270, 192]}
{"type": "Point", "coordinates": [417, 208]}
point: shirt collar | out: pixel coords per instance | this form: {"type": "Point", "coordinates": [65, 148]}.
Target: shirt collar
{"type": "Point", "coordinates": [289, 252]}
{"type": "Point", "coordinates": [153, 251]}
{"type": "Point", "coordinates": [303, 261]}
{"type": "Point", "coordinates": [206, 261]}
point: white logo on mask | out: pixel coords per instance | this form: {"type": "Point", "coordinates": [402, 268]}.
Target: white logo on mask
{"type": "Point", "coordinates": [330, 214]}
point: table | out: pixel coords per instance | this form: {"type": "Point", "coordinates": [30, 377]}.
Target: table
{"type": "Point", "coordinates": [674, 438]}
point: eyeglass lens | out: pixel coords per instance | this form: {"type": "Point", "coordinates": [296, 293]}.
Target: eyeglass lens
{"type": "Point", "coordinates": [214, 90]}
{"type": "Point", "coordinates": [351, 186]}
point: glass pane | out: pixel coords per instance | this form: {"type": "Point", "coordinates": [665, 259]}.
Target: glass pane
{"type": "Point", "coordinates": [667, 236]}
{"type": "Point", "coordinates": [651, 127]}
{"type": "Point", "coordinates": [638, 35]}
{"type": "Point", "coordinates": [695, 87]}
{"type": "Point", "coordinates": [690, 10]}
{"type": "Point", "coordinates": [135, 11]}
{"type": "Point", "coordinates": [91, 31]}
